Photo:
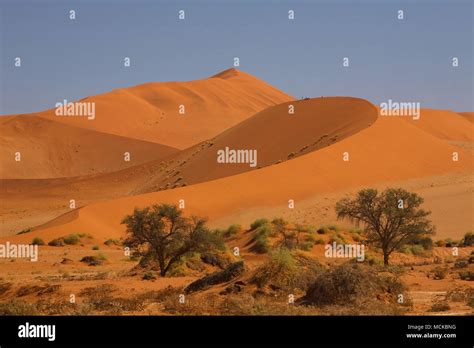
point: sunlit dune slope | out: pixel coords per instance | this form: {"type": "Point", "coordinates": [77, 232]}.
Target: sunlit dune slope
{"type": "Point", "coordinates": [389, 150]}
{"type": "Point", "coordinates": [48, 149]}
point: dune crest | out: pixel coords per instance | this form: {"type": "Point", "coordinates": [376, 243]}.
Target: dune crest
{"type": "Point", "coordinates": [178, 114]}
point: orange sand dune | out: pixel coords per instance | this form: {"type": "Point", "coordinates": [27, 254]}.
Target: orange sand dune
{"type": "Point", "coordinates": [444, 124]}
{"type": "Point", "coordinates": [151, 111]}
{"type": "Point", "coordinates": [276, 136]}
{"type": "Point", "coordinates": [467, 115]}
{"type": "Point", "coordinates": [51, 149]}
{"type": "Point", "coordinates": [390, 150]}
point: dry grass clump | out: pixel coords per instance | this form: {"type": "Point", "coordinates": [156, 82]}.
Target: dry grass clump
{"type": "Point", "coordinates": [353, 284]}
{"type": "Point", "coordinates": [286, 272]}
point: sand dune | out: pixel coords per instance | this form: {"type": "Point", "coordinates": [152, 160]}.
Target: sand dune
{"type": "Point", "coordinates": [389, 150]}
{"type": "Point", "coordinates": [444, 124]}
{"type": "Point", "coordinates": [151, 111]}
{"type": "Point", "coordinates": [51, 149]}
{"type": "Point", "coordinates": [467, 115]}
{"type": "Point", "coordinates": [274, 134]}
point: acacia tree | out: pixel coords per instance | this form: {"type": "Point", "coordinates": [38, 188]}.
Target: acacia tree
{"type": "Point", "coordinates": [162, 233]}
{"type": "Point", "coordinates": [390, 219]}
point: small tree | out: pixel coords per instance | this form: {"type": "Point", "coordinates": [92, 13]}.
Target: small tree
{"type": "Point", "coordinates": [160, 232]}
{"type": "Point", "coordinates": [391, 218]}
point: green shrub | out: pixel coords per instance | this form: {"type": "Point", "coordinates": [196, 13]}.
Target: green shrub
{"type": "Point", "coordinates": [466, 275]}
{"type": "Point", "coordinates": [232, 230]}
{"type": "Point", "coordinates": [111, 241]}
{"type": "Point", "coordinates": [37, 241]}
{"type": "Point", "coordinates": [306, 246]}
{"type": "Point", "coordinates": [322, 230]}
{"type": "Point", "coordinates": [59, 242]}
{"type": "Point", "coordinates": [468, 239]}
{"type": "Point", "coordinates": [338, 238]}
{"type": "Point", "coordinates": [257, 223]}
{"type": "Point", "coordinates": [333, 228]}
{"type": "Point", "coordinates": [261, 244]}
{"type": "Point", "coordinates": [260, 238]}
{"type": "Point", "coordinates": [26, 230]}
{"type": "Point", "coordinates": [278, 270]}
{"type": "Point", "coordinates": [72, 239]}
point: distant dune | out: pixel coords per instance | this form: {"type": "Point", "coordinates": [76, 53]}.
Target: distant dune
{"type": "Point", "coordinates": [467, 115]}
{"type": "Point", "coordinates": [444, 124]}
{"type": "Point", "coordinates": [151, 111]}
{"type": "Point", "coordinates": [52, 149]}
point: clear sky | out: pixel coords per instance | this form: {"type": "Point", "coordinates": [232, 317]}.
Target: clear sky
{"type": "Point", "coordinates": [402, 60]}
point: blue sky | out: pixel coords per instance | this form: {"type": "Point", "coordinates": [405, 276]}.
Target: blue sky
{"type": "Point", "coordinates": [402, 60]}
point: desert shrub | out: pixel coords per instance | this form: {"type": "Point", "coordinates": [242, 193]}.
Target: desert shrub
{"type": "Point", "coordinates": [439, 272]}
{"type": "Point", "coordinates": [357, 238]}
{"type": "Point", "coordinates": [92, 260]}
{"type": "Point", "coordinates": [337, 238]}
{"type": "Point", "coordinates": [57, 242]}
{"type": "Point", "coordinates": [72, 239]}
{"type": "Point", "coordinates": [149, 276]}
{"type": "Point", "coordinates": [37, 241]}
{"type": "Point", "coordinates": [425, 242]}
{"type": "Point", "coordinates": [284, 271]}
{"type": "Point", "coordinates": [372, 260]}
{"type": "Point", "coordinates": [466, 275]}
{"type": "Point", "coordinates": [4, 287]}
{"type": "Point", "coordinates": [441, 306]}
{"type": "Point", "coordinates": [322, 230]}
{"type": "Point", "coordinates": [232, 230]}
{"type": "Point", "coordinates": [319, 241]}
{"type": "Point", "coordinates": [95, 247]}
{"type": "Point", "coordinates": [307, 246]}
{"type": "Point", "coordinates": [416, 249]}
{"type": "Point", "coordinates": [352, 283]}
{"type": "Point", "coordinates": [219, 259]}
{"type": "Point", "coordinates": [26, 230]}
{"type": "Point", "coordinates": [440, 243]}
{"type": "Point", "coordinates": [261, 244]}
{"type": "Point", "coordinates": [461, 263]}
{"type": "Point", "coordinates": [259, 222]}
{"type": "Point", "coordinates": [468, 239]}
{"type": "Point", "coordinates": [333, 228]}
{"type": "Point", "coordinates": [17, 307]}
{"type": "Point", "coordinates": [111, 241]}
{"type": "Point", "coordinates": [452, 243]}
